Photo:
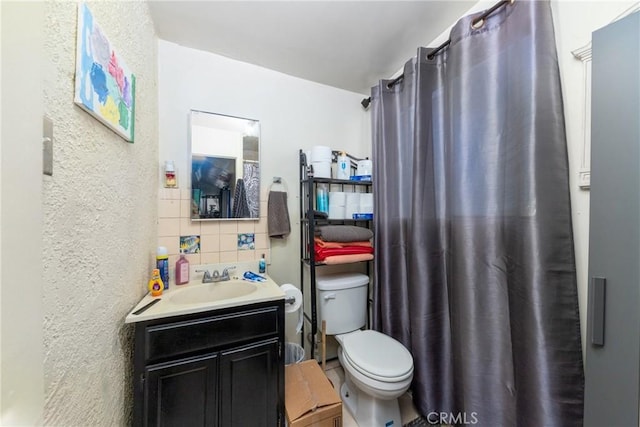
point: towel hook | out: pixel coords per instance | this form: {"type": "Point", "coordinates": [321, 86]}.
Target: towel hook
{"type": "Point", "coordinates": [278, 180]}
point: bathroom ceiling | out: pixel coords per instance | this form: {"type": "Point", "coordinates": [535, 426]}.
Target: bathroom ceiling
{"type": "Point", "coordinates": [345, 44]}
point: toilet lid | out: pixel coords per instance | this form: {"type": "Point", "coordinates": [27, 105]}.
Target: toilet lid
{"type": "Point", "coordinates": [377, 355]}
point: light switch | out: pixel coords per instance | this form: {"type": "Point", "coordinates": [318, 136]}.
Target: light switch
{"type": "Point", "coordinates": [47, 146]}
{"type": "Point", "coordinates": [584, 179]}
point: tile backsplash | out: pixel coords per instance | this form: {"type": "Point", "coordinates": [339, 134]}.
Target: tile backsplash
{"type": "Point", "coordinates": [219, 240]}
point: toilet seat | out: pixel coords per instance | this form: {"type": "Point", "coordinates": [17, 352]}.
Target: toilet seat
{"type": "Point", "coordinates": [377, 356]}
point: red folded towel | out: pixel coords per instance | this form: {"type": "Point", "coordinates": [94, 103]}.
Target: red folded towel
{"type": "Point", "coordinates": [322, 253]}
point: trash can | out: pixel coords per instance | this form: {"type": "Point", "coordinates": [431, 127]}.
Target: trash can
{"type": "Point", "coordinates": [293, 353]}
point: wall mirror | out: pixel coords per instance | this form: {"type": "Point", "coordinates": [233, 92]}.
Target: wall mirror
{"type": "Point", "coordinates": [224, 156]}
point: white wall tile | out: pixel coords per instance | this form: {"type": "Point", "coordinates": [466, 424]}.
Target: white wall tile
{"type": "Point", "coordinates": [169, 194]}
{"type": "Point", "coordinates": [246, 226]}
{"type": "Point", "coordinates": [189, 228]}
{"type": "Point", "coordinates": [210, 257]}
{"type": "Point", "coordinates": [262, 242]}
{"type": "Point", "coordinates": [168, 208]}
{"type": "Point", "coordinates": [210, 243]}
{"type": "Point", "coordinates": [246, 255]}
{"type": "Point", "coordinates": [210, 227]}
{"type": "Point", "coordinates": [229, 227]}
{"type": "Point", "coordinates": [172, 244]}
{"type": "Point", "coordinates": [229, 242]}
{"type": "Point", "coordinates": [185, 208]}
{"type": "Point", "coordinates": [168, 227]}
{"type": "Point", "coordinates": [230, 256]}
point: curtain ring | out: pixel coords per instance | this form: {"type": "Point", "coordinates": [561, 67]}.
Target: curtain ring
{"type": "Point", "coordinates": [476, 24]}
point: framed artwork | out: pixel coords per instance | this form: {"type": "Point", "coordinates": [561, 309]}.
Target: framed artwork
{"type": "Point", "coordinates": [104, 85]}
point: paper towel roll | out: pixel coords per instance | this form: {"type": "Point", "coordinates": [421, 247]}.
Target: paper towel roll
{"type": "Point", "coordinates": [291, 292]}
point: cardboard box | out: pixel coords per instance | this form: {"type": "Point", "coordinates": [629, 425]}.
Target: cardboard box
{"type": "Point", "coordinates": [309, 397]}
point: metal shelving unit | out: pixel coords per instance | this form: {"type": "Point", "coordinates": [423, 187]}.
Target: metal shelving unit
{"type": "Point", "coordinates": [308, 225]}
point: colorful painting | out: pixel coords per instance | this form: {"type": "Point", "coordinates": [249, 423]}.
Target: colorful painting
{"type": "Point", "coordinates": [105, 87]}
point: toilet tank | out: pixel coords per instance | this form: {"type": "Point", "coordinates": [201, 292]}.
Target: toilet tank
{"type": "Point", "coordinates": [342, 302]}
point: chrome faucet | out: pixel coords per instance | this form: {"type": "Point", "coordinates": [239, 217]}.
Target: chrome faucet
{"type": "Point", "coordinates": [225, 273]}
{"type": "Point", "coordinates": [215, 276]}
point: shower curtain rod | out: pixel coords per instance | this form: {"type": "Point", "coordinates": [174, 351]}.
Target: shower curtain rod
{"type": "Point", "coordinates": [476, 23]}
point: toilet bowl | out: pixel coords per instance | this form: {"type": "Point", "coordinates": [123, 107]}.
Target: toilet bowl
{"type": "Point", "coordinates": [378, 369]}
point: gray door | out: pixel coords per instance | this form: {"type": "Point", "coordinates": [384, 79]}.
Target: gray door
{"type": "Point", "coordinates": [613, 326]}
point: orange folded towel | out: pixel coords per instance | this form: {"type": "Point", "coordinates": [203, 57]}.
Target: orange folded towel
{"type": "Point", "coordinates": [346, 259]}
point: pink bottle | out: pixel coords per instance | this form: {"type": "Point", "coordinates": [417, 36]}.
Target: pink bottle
{"type": "Point", "coordinates": [182, 270]}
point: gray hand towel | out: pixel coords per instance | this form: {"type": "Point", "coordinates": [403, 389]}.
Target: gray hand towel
{"type": "Point", "coordinates": [278, 215]}
{"type": "Point", "coordinates": [344, 233]}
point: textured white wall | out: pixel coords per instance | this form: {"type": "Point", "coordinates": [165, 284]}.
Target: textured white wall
{"type": "Point", "coordinates": [100, 221]}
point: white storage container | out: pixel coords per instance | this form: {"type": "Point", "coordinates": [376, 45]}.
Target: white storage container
{"type": "Point", "coordinates": [342, 302]}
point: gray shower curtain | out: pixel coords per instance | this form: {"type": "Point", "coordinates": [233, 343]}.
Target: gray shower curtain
{"type": "Point", "coordinates": [475, 269]}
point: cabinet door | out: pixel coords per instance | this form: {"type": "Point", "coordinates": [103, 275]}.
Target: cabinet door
{"type": "Point", "coordinates": [249, 391]}
{"type": "Point", "coordinates": [182, 393]}
{"type": "Point", "coordinates": [612, 365]}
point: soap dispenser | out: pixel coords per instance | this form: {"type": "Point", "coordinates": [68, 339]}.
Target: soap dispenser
{"type": "Point", "coordinates": [262, 265]}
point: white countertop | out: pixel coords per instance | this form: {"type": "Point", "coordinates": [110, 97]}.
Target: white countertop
{"type": "Point", "coordinates": [265, 291]}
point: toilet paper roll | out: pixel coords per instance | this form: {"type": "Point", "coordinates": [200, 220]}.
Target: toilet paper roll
{"type": "Point", "coordinates": [321, 153]}
{"type": "Point", "coordinates": [349, 210]}
{"type": "Point", "coordinates": [291, 292]}
{"type": "Point", "coordinates": [353, 198]}
{"type": "Point", "coordinates": [366, 199]}
{"type": "Point", "coordinates": [336, 212]}
{"type": "Point", "coordinates": [337, 198]}
{"type": "Point", "coordinates": [321, 169]}
{"type": "Point", "coordinates": [352, 204]}
{"type": "Point", "coordinates": [366, 203]}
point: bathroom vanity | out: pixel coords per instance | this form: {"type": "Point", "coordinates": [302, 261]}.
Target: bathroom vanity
{"type": "Point", "coordinates": [210, 363]}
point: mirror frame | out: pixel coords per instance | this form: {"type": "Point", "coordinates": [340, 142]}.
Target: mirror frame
{"type": "Point", "coordinates": [190, 156]}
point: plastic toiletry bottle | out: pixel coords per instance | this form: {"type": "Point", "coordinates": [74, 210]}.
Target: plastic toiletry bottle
{"type": "Point", "coordinates": [322, 198]}
{"type": "Point", "coordinates": [343, 171]}
{"type": "Point", "coordinates": [162, 264]}
{"type": "Point", "coordinates": [170, 175]}
{"type": "Point", "coordinates": [182, 270]}
{"type": "Point", "coordinates": [155, 283]}
{"type": "Point", "coordinates": [262, 265]}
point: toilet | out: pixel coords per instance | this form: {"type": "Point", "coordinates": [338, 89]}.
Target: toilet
{"type": "Point", "coordinates": [378, 369]}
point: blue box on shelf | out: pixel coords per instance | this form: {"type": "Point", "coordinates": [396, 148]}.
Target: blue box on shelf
{"type": "Point", "coordinates": [360, 177]}
{"type": "Point", "coordinates": [362, 216]}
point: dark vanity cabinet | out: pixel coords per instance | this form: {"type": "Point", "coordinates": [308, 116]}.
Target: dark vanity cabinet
{"type": "Point", "coordinates": [218, 368]}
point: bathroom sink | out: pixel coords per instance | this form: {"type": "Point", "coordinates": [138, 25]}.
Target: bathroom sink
{"type": "Point", "coordinates": [213, 292]}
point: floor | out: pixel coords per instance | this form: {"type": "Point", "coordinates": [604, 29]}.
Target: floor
{"type": "Point", "coordinates": [335, 373]}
